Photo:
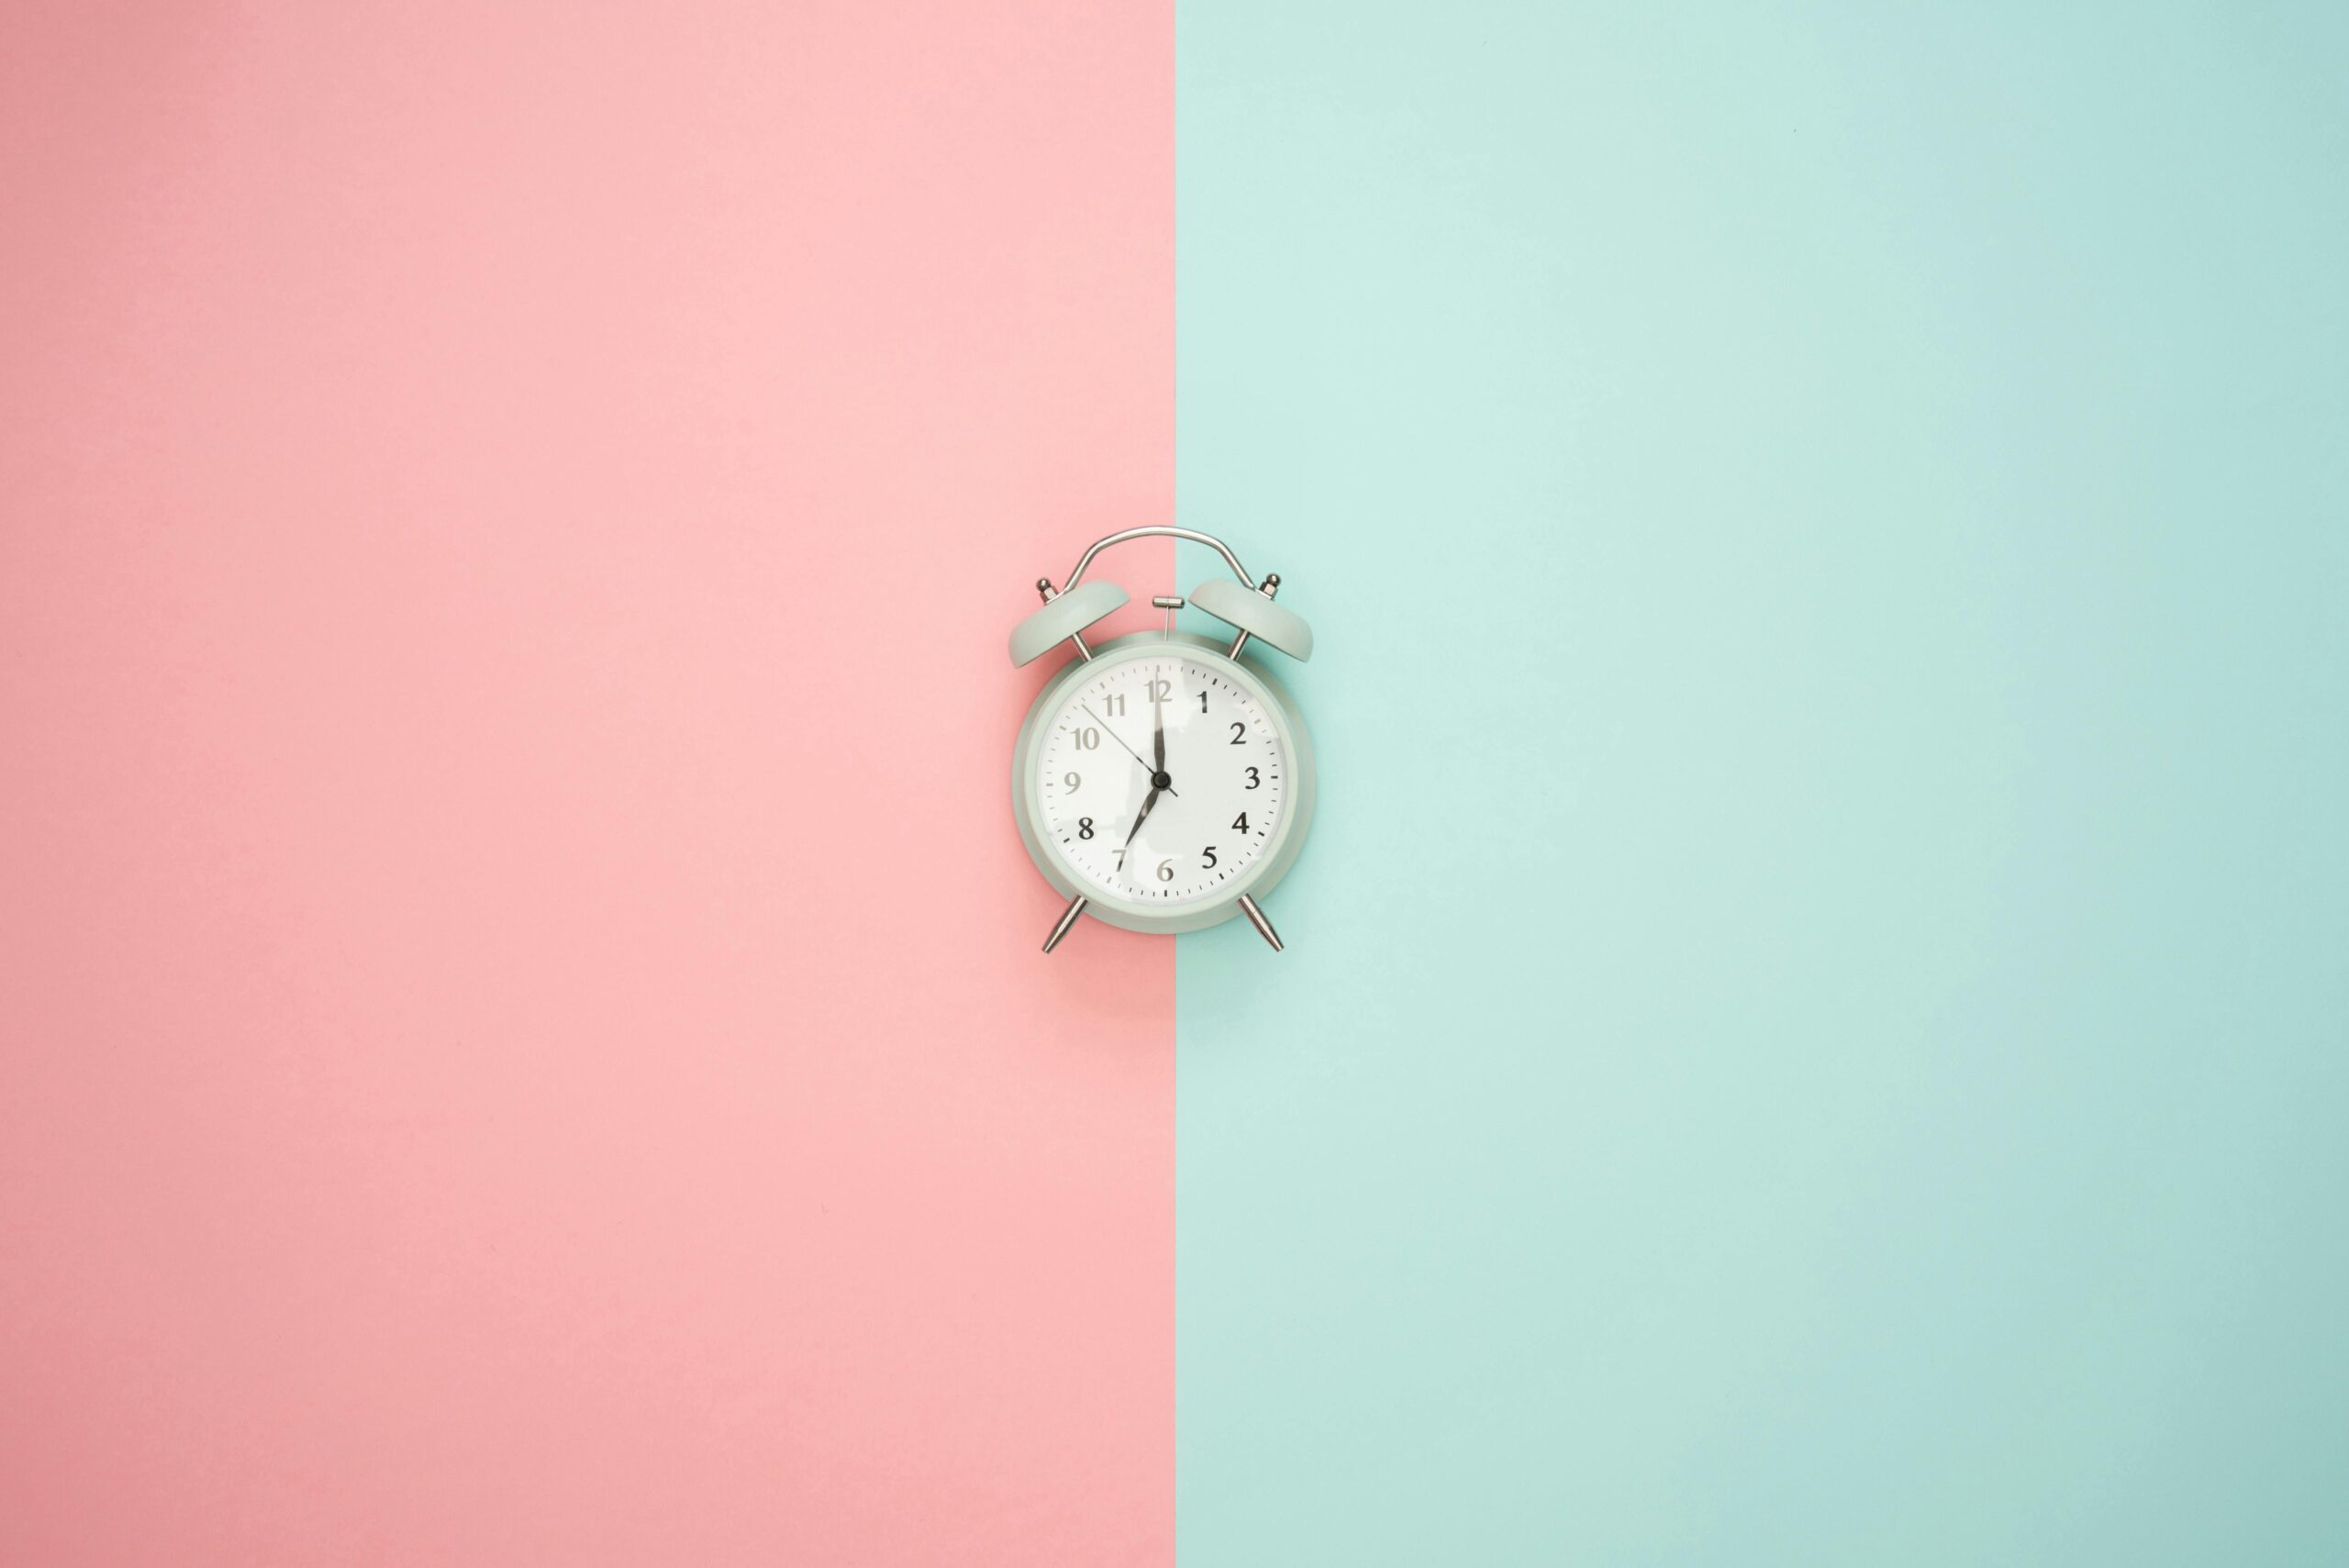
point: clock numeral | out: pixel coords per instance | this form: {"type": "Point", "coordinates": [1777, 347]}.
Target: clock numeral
{"type": "Point", "coordinates": [1203, 702]}
{"type": "Point", "coordinates": [1254, 778]}
{"type": "Point", "coordinates": [1167, 871]}
{"type": "Point", "coordinates": [1240, 823]}
{"type": "Point", "coordinates": [1072, 780]}
{"type": "Point", "coordinates": [1160, 690]}
{"type": "Point", "coordinates": [1115, 704]}
{"type": "Point", "coordinates": [1207, 857]}
{"type": "Point", "coordinates": [1239, 732]}
{"type": "Point", "coordinates": [1084, 826]}
{"type": "Point", "coordinates": [1088, 739]}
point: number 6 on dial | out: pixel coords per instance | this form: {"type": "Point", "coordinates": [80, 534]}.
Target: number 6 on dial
{"type": "Point", "coordinates": [1195, 784]}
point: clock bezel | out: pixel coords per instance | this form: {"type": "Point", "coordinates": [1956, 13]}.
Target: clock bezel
{"type": "Point", "coordinates": [1288, 838]}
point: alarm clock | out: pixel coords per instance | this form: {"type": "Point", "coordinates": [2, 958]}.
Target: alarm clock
{"type": "Point", "coordinates": [1162, 781]}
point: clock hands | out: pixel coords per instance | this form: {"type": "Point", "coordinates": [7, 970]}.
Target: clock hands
{"type": "Point", "coordinates": [1160, 782]}
{"type": "Point", "coordinates": [1137, 756]}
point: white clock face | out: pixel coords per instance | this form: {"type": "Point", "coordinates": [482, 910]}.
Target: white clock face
{"type": "Point", "coordinates": [1164, 833]}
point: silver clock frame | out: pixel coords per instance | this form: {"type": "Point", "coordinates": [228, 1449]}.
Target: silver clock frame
{"type": "Point", "coordinates": [1133, 915]}
{"type": "Point", "coordinates": [1247, 607]}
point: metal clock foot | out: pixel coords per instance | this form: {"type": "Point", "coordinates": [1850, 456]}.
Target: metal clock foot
{"type": "Point", "coordinates": [1075, 907]}
{"type": "Point", "coordinates": [1256, 918]}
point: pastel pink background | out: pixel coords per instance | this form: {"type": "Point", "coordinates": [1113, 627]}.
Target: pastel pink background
{"type": "Point", "coordinates": [521, 1035]}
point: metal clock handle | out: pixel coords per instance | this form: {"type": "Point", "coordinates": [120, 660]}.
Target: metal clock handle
{"type": "Point", "coordinates": [1271, 586]}
{"type": "Point", "coordinates": [1159, 530]}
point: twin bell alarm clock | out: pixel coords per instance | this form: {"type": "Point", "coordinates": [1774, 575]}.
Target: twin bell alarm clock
{"type": "Point", "coordinates": [1162, 781]}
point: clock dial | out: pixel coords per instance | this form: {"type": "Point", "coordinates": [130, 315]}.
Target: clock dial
{"type": "Point", "coordinates": [1162, 779]}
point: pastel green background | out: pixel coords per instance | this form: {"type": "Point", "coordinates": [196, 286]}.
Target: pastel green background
{"type": "Point", "coordinates": [1816, 1023]}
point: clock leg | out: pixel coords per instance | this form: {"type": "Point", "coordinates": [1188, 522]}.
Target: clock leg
{"type": "Point", "coordinates": [1256, 919]}
{"type": "Point", "coordinates": [1068, 917]}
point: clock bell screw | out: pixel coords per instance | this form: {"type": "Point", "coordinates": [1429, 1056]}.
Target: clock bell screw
{"type": "Point", "coordinates": [1271, 586]}
{"type": "Point", "coordinates": [1045, 592]}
